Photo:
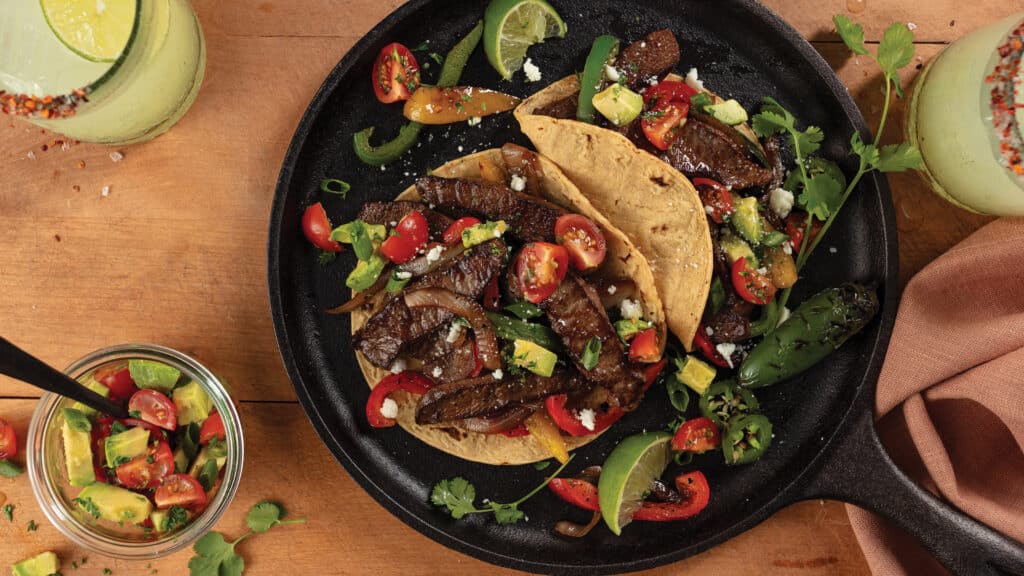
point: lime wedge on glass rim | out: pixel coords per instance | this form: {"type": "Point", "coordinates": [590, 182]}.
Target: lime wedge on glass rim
{"type": "Point", "coordinates": [96, 30]}
{"type": "Point", "coordinates": [627, 474]}
{"type": "Point", "coordinates": [512, 26]}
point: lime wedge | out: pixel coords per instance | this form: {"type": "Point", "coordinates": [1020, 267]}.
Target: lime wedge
{"type": "Point", "coordinates": [96, 30]}
{"type": "Point", "coordinates": [512, 26]}
{"type": "Point", "coordinates": [627, 475]}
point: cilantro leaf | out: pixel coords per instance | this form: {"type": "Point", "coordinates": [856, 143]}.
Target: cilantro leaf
{"type": "Point", "coordinates": [263, 516]}
{"type": "Point", "coordinates": [895, 50]}
{"type": "Point", "coordinates": [176, 518]}
{"type": "Point", "coordinates": [821, 196]}
{"type": "Point", "coordinates": [215, 557]}
{"type": "Point", "coordinates": [9, 469]}
{"type": "Point", "coordinates": [808, 141]}
{"type": "Point", "coordinates": [767, 122]}
{"type": "Point", "coordinates": [507, 513]}
{"type": "Point", "coordinates": [88, 505]}
{"type": "Point", "coordinates": [9, 512]}
{"type": "Point", "coordinates": [456, 494]}
{"type": "Point", "coordinates": [327, 257]}
{"type": "Point", "coordinates": [868, 152]}
{"type": "Point", "coordinates": [700, 101]}
{"type": "Point", "coordinates": [542, 464]}
{"type": "Point", "coordinates": [851, 33]}
{"type": "Point", "coordinates": [678, 393]}
{"type": "Point", "coordinates": [898, 157]}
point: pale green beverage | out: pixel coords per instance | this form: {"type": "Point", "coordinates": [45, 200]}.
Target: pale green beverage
{"type": "Point", "coordinates": [965, 117]}
{"type": "Point", "coordinates": [125, 82]}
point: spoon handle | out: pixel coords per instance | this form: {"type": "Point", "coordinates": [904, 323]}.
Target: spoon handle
{"type": "Point", "coordinates": [21, 365]}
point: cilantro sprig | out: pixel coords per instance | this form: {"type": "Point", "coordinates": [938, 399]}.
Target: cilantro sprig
{"type": "Point", "coordinates": [215, 556]}
{"type": "Point", "coordinates": [458, 496]}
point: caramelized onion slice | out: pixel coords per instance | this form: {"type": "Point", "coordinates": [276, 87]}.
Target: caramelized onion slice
{"type": "Point", "coordinates": [574, 530]}
{"type": "Point", "coordinates": [422, 265]}
{"type": "Point", "coordinates": [486, 341]}
{"type": "Point", "coordinates": [504, 421]}
{"type": "Point", "coordinates": [363, 297]}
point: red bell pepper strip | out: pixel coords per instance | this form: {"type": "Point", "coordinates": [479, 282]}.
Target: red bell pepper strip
{"type": "Point", "coordinates": [412, 382]}
{"type": "Point", "coordinates": [569, 421]}
{"type": "Point", "coordinates": [517, 432]}
{"type": "Point", "coordinates": [700, 340]}
{"type": "Point", "coordinates": [692, 486]}
{"type": "Point", "coordinates": [652, 371]}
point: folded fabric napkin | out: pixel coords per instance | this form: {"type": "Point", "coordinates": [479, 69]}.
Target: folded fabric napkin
{"type": "Point", "coordinates": [950, 402]}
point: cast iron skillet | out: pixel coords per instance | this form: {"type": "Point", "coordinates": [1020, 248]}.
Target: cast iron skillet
{"type": "Point", "coordinates": [825, 443]}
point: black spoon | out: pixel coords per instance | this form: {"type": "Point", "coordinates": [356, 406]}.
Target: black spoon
{"type": "Point", "coordinates": [21, 365]}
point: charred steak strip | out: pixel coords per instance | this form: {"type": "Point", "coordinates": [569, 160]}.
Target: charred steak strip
{"type": "Point", "coordinates": [458, 364]}
{"type": "Point", "coordinates": [706, 149]}
{"type": "Point", "coordinates": [654, 55]}
{"type": "Point", "coordinates": [396, 326]}
{"type": "Point", "coordinates": [390, 213]}
{"type": "Point", "coordinates": [529, 219]}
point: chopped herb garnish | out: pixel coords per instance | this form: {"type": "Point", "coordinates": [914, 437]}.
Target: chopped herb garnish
{"type": "Point", "coordinates": [327, 257]}
{"type": "Point", "coordinates": [9, 512]}
{"type": "Point", "coordinates": [9, 469]}
{"type": "Point", "coordinates": [117, 428]}
{"type": "Point", "coordinates": [176, 518]}
{"type": "Point", "coordinates": [543, 464]}
{"type": "Point", "coordinates": [437, 57]}
{"type": "Point", "coordinates": [88, 505]}
{"type": "Point", "coordinates": [700, 101]}
{"type": "Point", "coordinates": [32, 526]}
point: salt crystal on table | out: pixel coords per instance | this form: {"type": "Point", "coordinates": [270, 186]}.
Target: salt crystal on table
{"type": "Point", "coordinates": [105, 192]}
{"type": "Point", "coordinates": [116, 156]}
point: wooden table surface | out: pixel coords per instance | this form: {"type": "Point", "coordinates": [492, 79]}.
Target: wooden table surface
{"type": "Point", "coordinates": [175, 255]}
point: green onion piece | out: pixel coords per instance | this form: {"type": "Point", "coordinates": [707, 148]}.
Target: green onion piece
{"type": "Point", "coordinates": [591, 353]}
{"type": "Point", "coordinates": [774, 238]}
{"type": "Point", "coordinates": [603, 51]}
{"type": "Point", "coordinates": [395, 284]}
{"type": "Point", "coordinates": [335, 186]}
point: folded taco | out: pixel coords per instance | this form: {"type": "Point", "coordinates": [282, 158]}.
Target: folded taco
{"type": "Point", "coordinates": [503, 318]}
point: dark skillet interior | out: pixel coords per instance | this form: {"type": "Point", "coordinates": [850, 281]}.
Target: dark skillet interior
{"type": "Point", "coordinates": [742, 51]}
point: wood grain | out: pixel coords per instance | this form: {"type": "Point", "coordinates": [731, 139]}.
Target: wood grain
{"type": "Point", "coordinates": [176, 255]}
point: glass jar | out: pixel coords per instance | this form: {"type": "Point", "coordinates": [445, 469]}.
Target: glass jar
{"type": "Point", "coordinates": [48, 473]}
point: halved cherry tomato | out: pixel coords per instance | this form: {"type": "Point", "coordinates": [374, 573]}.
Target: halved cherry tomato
{"type": "Point", "coordinates": [412, 382]}
{"type": "Point", "coordinates": [407, 238]}
{"type": "Point", "coordinates": [212, 429]}
{"type": "Point", "coordinates": [453, 235]}
{"type": "Point", "coordinates": [582, 239]}
{"type": "Point", "coordinates": [644, 347]}
{"type": "Point", "coordinates": [396, 74]}
{"type": "Point", "coordinates": [662, 124]}
{"type": "Point", "coordinates": [146, 471]}
{"type": "Point", "coordinates": [750, 284]}
{"type": "Point", "coordinates": [118, 381]}
{"type": "Point", "coordinates": [492, 295]}
{"type": "Point", "coordinates": [700, 340]}
{"type": "Point", "coordinates": [317, 228]}
{"type": "Point", "coordinates": [668, 90]}
{"type": "Point", "coordinates": [697, 435]}
{"type": "Point", "coordinates": [155, 408]}
{"type": "Point", "coordinates": [570, 422]}
{"type": "Point", "coordinates": [180, 490]}
{"type": "Point", "coordinates": [541, 266]}
{"type": "Point", "coordinates": [652, 371]}
{"type": "Point", "coordinates": [796, 223]}
{"type": "Point", "coordinates": [716, 198]}
{"type": "Point", "coordinates": [517, 432]}
{"type": "Point", "coordinates": [692, 486]}
{"type": "Point", "coordinates": [8, 440]}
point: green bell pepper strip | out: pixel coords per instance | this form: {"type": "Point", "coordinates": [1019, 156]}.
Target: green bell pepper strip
{"type": "Point", "coordinates": [511, 329]}
{"type": "Point", "coordinates": [816, 328]}
{"type": "Point", "coordinates": [723, 401]}
{"type": "Point", "coordinates": [408, 134]}
{"type": "Point", "coordinates": [603, 51]}
{"type": "Point", "coordinates": [746, 439]}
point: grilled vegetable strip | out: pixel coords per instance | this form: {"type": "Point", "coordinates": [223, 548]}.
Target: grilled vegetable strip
{"type": "Point", "coordinates": [817, 327]}
{"type": "Point", "coordinates": [747, 437]}
{"type": "Point", "coordinates": [602, 53]}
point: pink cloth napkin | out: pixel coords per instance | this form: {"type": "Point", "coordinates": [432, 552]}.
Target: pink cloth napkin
{"type": "Point", "coordinates": [950, 402]}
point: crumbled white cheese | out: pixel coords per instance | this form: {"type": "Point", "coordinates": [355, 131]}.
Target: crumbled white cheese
{"type": "Point", "coordinates": [473, 120]}
{"type": "Point", "coordinates": [612, 289]}
{"type": "Point", "coordinates": [643, 44]}
{"type": "Point", "coordinates": [709, 330]}
{"type": "Point", "coordinates": [587, 418]}
{"type": "Point", "coordinates": [389, 409]}
{"type": "Point", "coordinates": [398, 366]}
{"type": "Point", "coordinates": [498, 374]}
{"type": "Point", "coordinates": [631, 309]}
{"type": "Point", "coordinates": [459, 148]}
{"type": "Point", "coordinates": [436, 372]}
{"type": "Point", "coordinates": [832, 250]}
{"type": "Point", "coordinates": [401, 275]}
{"type": "Point", "coordinates": [787, 247]}
{"type": "Point", "coordinates": [762, 271]}
{"type": "Point", "coordinates": [611, 73]}
{"type": "Point", "coordinates": [709, 209]}
{"type": "Point", "coordinates": [531, 70]}
{"type": "Point", "coordinates": [726, 350]}
{"type": "Point", "coordinates": [101, 7]}
{"type": "Point", "coordinates": [781, 202]}
{"type": "Point", "coordinates": [497, 232]}
{"type": "Point", "coordinates": [435, 254]}
{"type": "Point", "coordinates": [784, 315]}
{"type": "Point", "coordinates": [693, 81]}
{"type": "Point", "coordinates": [911, 26]}
{"type": "Point", "coordinates": [454, 332]}
{"type": "Point", "coordinates": [518, 183]}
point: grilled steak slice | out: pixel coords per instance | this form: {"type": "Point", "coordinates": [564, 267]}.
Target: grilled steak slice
{"type": "Point", "coordinates": [705, 148]}
{"type": "Point", "coordinates": [655, 54]}
{"type": "Point", "coordinates": [530, 219]}
{"type": "Point", "coordinates": [564, 109]}
{"type": "Point", "coordinates": [458, 364]}
{"type": "Point", "coordinates": [486, 395]}
{"type": "Point", "coordinates": [390, 213]}
{"type": "Point", "coordinates": [396, 326]}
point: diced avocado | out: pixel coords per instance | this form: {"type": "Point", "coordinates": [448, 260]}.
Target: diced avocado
{"type": "Point", "coordinates": [96, 387]}
{"type": "Point", "coordinates": [618, 104]}
{"type": "Point", "coordinates": [696, 374]}
{"type": "Point", "coordinates": [736, 248]}
{"type": "Point", "coordinates": [126, 445]}
{"type": "Point", "coordinates": [365, 273]}
{"type": "Point", "coordinates": [159, 519]}
{"type": "Point", "coordinates": [180, 461]}
{"type": "Point", "coordinates": [209, 462]}
{"type": "Point", "coordinates": [193, 403]}
{"type": "Point", "coordinates": [343, 233]}
{"type": "Point", "coordinates": [156, 375]}
{"type": "Point", "coordinates": [747, 220]}
{"type": "Point", "coordinates": [534, 358]}
{"type": "Point", "coordinates": [169, 520]}
{"type": "Point", "coordinates": [480, 233]}
{"type": "Point", "coordinates": [729, 112]}
{"type": "Point", "coordinates": [43, 564]}
{"type": "Point", "coordinates": [77, 447]}
{"type": "Point", "coordinates": [629, 327]}
{"type": "Point", "coordinates": [114, 503]}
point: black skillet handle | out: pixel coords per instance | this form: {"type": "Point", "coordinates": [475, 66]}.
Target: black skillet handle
{"type": "Point", "coordinates": [859, 471]}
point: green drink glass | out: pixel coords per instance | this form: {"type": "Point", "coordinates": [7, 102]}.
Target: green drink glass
{"type": "Point", "coordinates": [109, 71]}
{"type": "Point", "coordinates": [966, 114]}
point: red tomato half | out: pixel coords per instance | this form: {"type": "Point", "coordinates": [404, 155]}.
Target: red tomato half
{"type": "Point", "coordinates": [582, 239]}
{"type": "Point", "coordinates": [570, 422]}
{"type": "Point", "coordinates": [644, 347]}
{"type": "Point", "coordinates": [118, 381]}
{"type": "Point", "coordinates": [700, 340]}
{"type": "Point", "coordinates": [453, 235]}
{"type": "Point", "coordinates": [212, 429]}
{"type": "Point", "coordinates": [8, 440]}
{"type": "Point", "coordinates": [697, 435]}
{"type": "Point", "coordinates": [716, 198]}
{"type": "Point", "coordinates": [317, 228]}
{"type": "Point", "coordinates": [750, 284]}
{"type": "Point", "coordinates": [662, 124]}
{"type": "Point", "coordinates": [145, 472]}
{"type": "Point", "coordinates": [541, 266]}
{"type": "Point", "coordinates": [180, 490]}
{"type": "Point", "coordinates": [155, 408]}
{"type": "Point", "coordinates": [412, 382]}
{"type": "Point", "coordinates": [666, 91]}
{"type": "Point", "coordinates": [407, 238]}
{"type": "Point", "coordinates": [396, 74]}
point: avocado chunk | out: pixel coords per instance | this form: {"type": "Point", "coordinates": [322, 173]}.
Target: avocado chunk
{"type": "Point", "coordinates": [96, 387]}
{"type": "Point", "coordinates": [729, 112]}
{"type": "Point", "coordinates": [209, 462]}
{"type": "Point", "coordinates": [180, 461]}
{"type": "Point", "coordinates": [169, 520]}
{"type": "Point", "coordinates": [366, 273]}
{"type": "Point", "coordinates": [43, 564]}
{"type": "Point", "coordinates": [345, 232]}
{"type": "Point", "coordinates": [193, 404]}
{"type": "Point", "coordinates": [534, 358]}
{"type": "Point", "coordinates": [155, 375]}
{"type": "Point", "coordinates": [77, 447]}
{"type": "Point", "coordinates": [124, 446]}
{"type": "Point", "coordinates": [736, 248]}
{"type": "Point", "coordinates": [747, 220]}
{"type": "Point", "coordinates": [629, 327]}
{"type": "Point", "coordinates": [696, 374]}
{"type": "Point", "coordinates": [618, 104]}
{"type": "Point", "coordinates": [114, 503]}
{"type": "Point", "coordinates": [480, 233]}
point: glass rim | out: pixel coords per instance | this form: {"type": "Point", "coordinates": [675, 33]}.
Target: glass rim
{"type": "Point", "coordinates": [123, 56]}
{"type": "Point", "coordinates": [52, 500]}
